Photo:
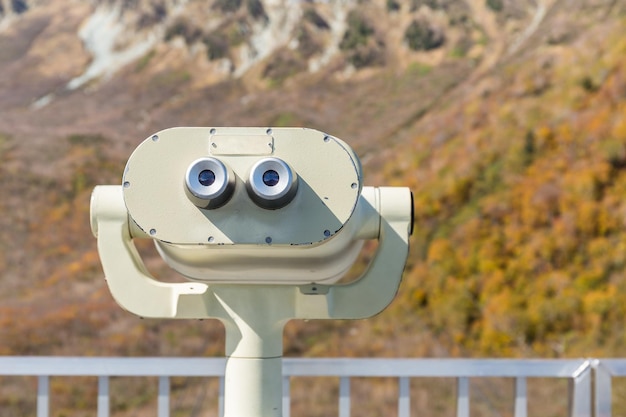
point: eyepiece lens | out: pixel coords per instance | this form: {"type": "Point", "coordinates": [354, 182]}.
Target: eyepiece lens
{"type": "Point", "coordinates": [209, 183]}
{"type": "Point", "coordinates": [206, 177]}
{"type": "Point", "coordinates": [270, 178]}
{"type": "Point", "coordinates": [272, 183]}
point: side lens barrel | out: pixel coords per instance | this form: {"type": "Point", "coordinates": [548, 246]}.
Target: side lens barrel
{"type": "Point", "coordinates": [209, 183]}
{"type": "Point", "coordinates": [272, 183]}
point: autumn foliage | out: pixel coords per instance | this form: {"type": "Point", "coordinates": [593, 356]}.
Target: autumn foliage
{"type": "Point", "coordinates": [520, 245]}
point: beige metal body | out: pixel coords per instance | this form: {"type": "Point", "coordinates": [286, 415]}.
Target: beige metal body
{"type": "Point", "coordinates": [328, 170]}
{"type": "Point", "coordinates": [218, 244]}
{"type": "Point", "coordinates": [295, 279]}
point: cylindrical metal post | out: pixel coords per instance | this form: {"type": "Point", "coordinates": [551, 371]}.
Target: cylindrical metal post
{"type": "Point", "coordinates": [253, 387]}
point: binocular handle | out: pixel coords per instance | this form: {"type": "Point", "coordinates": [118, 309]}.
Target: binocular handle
{"type": "Point", "coordinates": [133, 287]}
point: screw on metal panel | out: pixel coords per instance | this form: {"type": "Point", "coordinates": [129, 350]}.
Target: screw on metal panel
{"type": "Point", "coordinates": [155, 138]}
{"type": "Point", "coordinates": [326, 138]}
{"type": "Point", "coordinates": [152, 232]}
{"type": "Point", "coordinates": [268, 131]}
{"type": "Point", "coordinates": [212, 131]}
{"type": "Point", "coordinates": [213, 144]}
{"type": "Point", "coordinates": [268, 240]}
{"type": "Point", "coordinates": [312, 289]}
{"type": "Point", "coordinates": [354, 185]}
{"type": "Point", "coordinates": [326, 233]}
{"type": "Point", "coordinates": [126, 184]}
{"type": "Point", "coordinates": [211, 239]}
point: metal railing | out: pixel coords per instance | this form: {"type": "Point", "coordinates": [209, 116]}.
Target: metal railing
{"type": "Point", "coordinates": [577, 371]}
{"type": "Point", "coordinates": [605, 370]}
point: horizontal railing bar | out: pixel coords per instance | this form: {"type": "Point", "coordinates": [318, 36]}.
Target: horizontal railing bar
{"type": "Point", "coordinates": [614, 366]}
{"type": "Point", "coordinates": [110, 366]}
{"type": "Point", "coordinates": [352, 367]}
{"type": "Point", "coordinates": [453, 368]}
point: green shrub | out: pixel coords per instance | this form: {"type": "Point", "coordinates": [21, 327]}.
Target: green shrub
{"type": "Point", "coordinates": [358, 32]}
{"type": "Point", "coordinates": [432, 4]}
{"type": "Point", "coordinates": [495, 5]}
{"type": "Point", "coordinates": [156, 14]}
{"type": "Point", "coordinates": [19, 6]}
{"type": "Point", "coordinates": [307, 43]}
{"type": "Point", "coordinates": [422, 36]}
{"type": "Point", "coordinates": [283, 65]}
{"type": "Point", "coordinates": [236, 32]}
{"type": "Point", "coordinates": [419, 69]}
{"type": "Point", "coordinates": [367, 55]}
{"type": "Point", "coordinates": [589, 84]}
{"type": "Point", "coordinates": [362, 49]}
{"type": "Point", "coordinates": [392, 6]}
{"type": "Point", "coordinates": [85, 138]}
{"type": "Point", "coordinates": [227, 6]}
{"type": "Point", "coordinates": [217, 46]}
{"type": "Point", "coordinates": [256, 10]}
{"type": "Point", "coordinates": [311, 16]}
{"type": "Point", "coordinates": [185, 29]}
{"type": "Point", "coordinates": [145, 60]}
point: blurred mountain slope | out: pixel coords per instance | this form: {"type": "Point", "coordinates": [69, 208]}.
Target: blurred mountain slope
{"type": "Point", "coordinates": [519, 195]}
{"type": "Point", "coordinates": [506, 118]}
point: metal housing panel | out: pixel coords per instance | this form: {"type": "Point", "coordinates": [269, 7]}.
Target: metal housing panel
{"type": "Point", "coordinates": [329, 186]}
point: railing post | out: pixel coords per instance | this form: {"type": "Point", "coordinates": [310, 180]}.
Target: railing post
{"type": "Point", "coordinates": [603, 390]}
{"type": "Point", "coordinates": [103, 396]}
{"type": "Point", "coordinates": [344, 396]}
{"type": "Point", "coordinates": [164, 397]}
{"type": "Point", "coordinates": [521, 402]}
{"type": "Point", "coordinates": [404, 397]}
{"type": "Point", "coordinates": [580, 393]}
{"type": "Point", "coordinates": [286, 397]}
{"type": "Point", "coordinates": [221, 398]}
{"type": "Point", "coordinates": [462, 398]}
{"type": "Point", "coordinates": [43, 396]}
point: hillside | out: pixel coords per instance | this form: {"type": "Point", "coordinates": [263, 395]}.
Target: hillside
{"type": "Point", "coordinates": [507, 119]}
{"type": "Point", "coordinates": [520, 203]}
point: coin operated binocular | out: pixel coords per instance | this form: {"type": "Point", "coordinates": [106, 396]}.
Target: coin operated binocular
{"type": "Point", "coordinates": [264, 223]}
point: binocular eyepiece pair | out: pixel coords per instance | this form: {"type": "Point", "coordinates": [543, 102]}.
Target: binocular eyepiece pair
{"type": "Point", "coordinates": [271, 183]}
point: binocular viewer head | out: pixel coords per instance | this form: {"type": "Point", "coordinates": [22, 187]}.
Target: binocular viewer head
{"type": "Point", "coordinates": [254, 205]}
{"type": "Point", "coordinates": [237, 209]}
